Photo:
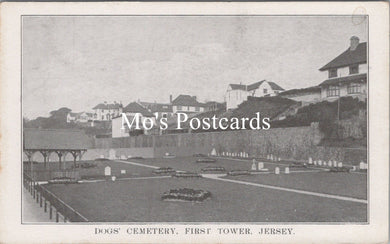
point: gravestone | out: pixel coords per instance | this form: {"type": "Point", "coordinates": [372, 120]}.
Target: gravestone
{"type": "Point", "coordinates": [319, 162]}
{"type": "Point", "coordinates": [279, 159]}
{"type": "Point", "coordinates": [315, 162]}
{"type": "Point", "coordinates": [287, 170]}
{"type": "Point", "coordinates": [113, 178]}
{"type": "Point", "coordinates": [112, 154]}
{"type": "Point", "coordinates": [340, 165]}
{"type": "Point", "coordinates": [330, 163]}
{"type": "Point", "coordinates": [123, 157]}
{"type": "Point", "coordinates": [123, 171]}
{"type": "Point", "coordinates": [335, 163]}
{"type": "Point", "coordinates": [260, 165]}
{"type": "Point", "coordinates": [253, 166]}
{"type": "Point", "coordinates": [213, 152]}
{"type": "Point", "coordinates": [271, 157]}
{"type": "Point", "coordinates": [310, 160]}
{"type": "Point", "coordinates": [107, 171]}
{"type": "Point", "coordinates": [277, 170]}
{"type": "Point", "coordinates": [268, 157]}
{"type": "Point", "coordinates": [361, 165]}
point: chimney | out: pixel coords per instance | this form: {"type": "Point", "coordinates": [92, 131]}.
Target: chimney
{"type": "Point", "coordinates": [170, 98]}
{"type": "Point", "coordinates": [354, 43]}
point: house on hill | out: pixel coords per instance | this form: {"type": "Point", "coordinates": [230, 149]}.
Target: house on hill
{"type": "Point", "coordinates": [106, 111]}
{"type": "Point", "coordinates": [238, 93]}
{"type": "Point", "coordinates": [82, 117]}
{"type": "Point", "coordinates": [187, 104]}
{"type": "Point", "coordinates": [305, 95]}
{"type": "Point", "coordinates": [131, 110]}
{"type": "Point", "coordinates": [160, 110]}
{"type": "Point", "coordinates": [347, 73]}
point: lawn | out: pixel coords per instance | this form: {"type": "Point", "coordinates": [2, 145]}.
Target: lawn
{"type": "Point", "coordinates": [139, 200]}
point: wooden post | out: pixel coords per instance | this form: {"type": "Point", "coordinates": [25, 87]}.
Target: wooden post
{"type": "Point", "coordinates": [57, 216]}
{"type": "Point", "coordinates": [40, 199]}
{"type": "Point", "coordinates": [37, 198]}
{"type": "Point", "coordinates": [45, 206]}
{"type": "Point", "coordinates": [51, 211]}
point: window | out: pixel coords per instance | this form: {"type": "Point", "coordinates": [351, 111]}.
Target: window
{"type": "Point", "coordinates": [332, 73]}
{"type": "Point", "coordinates": [333, 91]}
{"type": "Point", "coordinates": [353, 88]}
{"type": "Point", "coordinates": [164, 115]}
{"type": "Point", "coordinates": [188, 108]}
{"type": "Point", "coordinates": [197, 109]}
{"type": "Point", "coordinates": [265, 91]}
{"type": "Point", "coordinates": [353, 69]}
{"type": "Point", "coordinates": [179, 108]}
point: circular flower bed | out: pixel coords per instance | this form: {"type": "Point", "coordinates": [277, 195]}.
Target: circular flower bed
{"type": "Point", "coordinates": [186, 194]}
{"type": "Point", "coordinates": [213, 169]}
{"type": "Point", "coordinates": [206, 160]}
{"type": "Point", "coordinates": [164, 170]}
{"type": "Point", "coordinates": [186, 175]}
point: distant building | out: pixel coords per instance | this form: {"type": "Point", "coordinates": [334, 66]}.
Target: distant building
{"type": "Point", "coordinates": [106, 111]}
{"type": "Point", "coordinates": [238, 93]}
{"type": "Point", "coordinates": [187, 104]}
{"type": "Point", "coordinates": [82, 117]}
{"type": "Point", "coordinates": [347, 73]}
{"type": "Point", "coordinates": [131, 110]}
{"type": "Point", "coordinates": [305, 95]}
{"type": "Point", "coordinates": [214, 106]}
{"type": "Point", "coordinates": [160, 110]}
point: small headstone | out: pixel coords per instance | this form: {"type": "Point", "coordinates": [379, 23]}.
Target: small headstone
{"type": "Point", "coordinates": [287, 170]}
{"type": "Point", "coordinates": [330, 163]}
{"type": "Point", "coordinates": [310, 160]}
{"type": "Point", "coordinates": [315, 162]}
{"type": "Point", "coordinates": [271, 157]}
{"type": "Point", "coordinates": [129, 156]}
{"type": "Point", "coordinates": [335, 163]}
{"type": "Point", "coordinates": [107, 171]}
{"type": "Point", "coordinates": [166, 154]}
{"type": "Point", "coordinates": [268, 157]}
{"type": "Point", "coordinates": [253, 166]}
{"type": "Point", "coordinates": [123, 157]}
{"type": "Point", "coordinates": [113, 178]}
{"type": "Point", "coordinates": [223, 153]}
{"type": "Point", "coordinates": [340, 165]}
{"type": "Point", "coordinates": [277, 170]}
{"type": "Point", "coordinates": [213, 152]}
{"type": "Point", "coordinates": [361, 165]}
{"type": "Point", "coordinates": [353, 168]}
{"type": "Point", "coordinates": [260, 165]}
{"type": "Point", "coordinates": [123, 171]}
{"type": "Point", "coordinates": [279, 159]}
{"type": "Point", "coordinates": [319, 162]}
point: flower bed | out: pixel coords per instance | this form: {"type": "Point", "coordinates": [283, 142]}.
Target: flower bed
{"type": "Point", "coordinates": [238, 172]}
{"type": "Point", "coordinates": [213, 169]}
{"type": "Point", "coordinates": [186, 194]}
{"type": "Point", "coordinates": [62, 180]}
{"type": "Point", "coordinates": [186, 175]}
{"type": "Point", "coordinates": [206, 160]}
{"type": "Point", "coordinates": [164, 170]}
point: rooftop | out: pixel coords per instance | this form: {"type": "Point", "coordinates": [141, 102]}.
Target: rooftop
{"type": "Point", "coordinates": [348, 57]}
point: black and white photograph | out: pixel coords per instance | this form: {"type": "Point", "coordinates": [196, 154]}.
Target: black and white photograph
{"type": "Point", "coordinates": [237, 126]}
{"type": "Point", "coordinates": [195, 118]}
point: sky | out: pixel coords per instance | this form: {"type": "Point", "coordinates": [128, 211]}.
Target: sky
{"type": "Point", "coordinates": [80, 61]}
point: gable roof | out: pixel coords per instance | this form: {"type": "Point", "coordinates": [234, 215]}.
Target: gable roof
{"type": "Point", "coordinates": [55, 139]}
{"type": "Point", "coordinates": [255, 85]}
{"type": "Point", "coordinates": [135, 107]}
{"type": "Point", "coordinates": [107, 106]}
{"type": "Point", "coordinates": [157, 107]}
{"type": "Point", "coordinates": [348, 57]}
{"type": "Point", "coordinates": [345, 79]}
{"type": "Point", "coordinates": [186, 100]}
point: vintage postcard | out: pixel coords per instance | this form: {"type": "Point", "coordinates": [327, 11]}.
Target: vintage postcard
{"type": "Point", "coordinates": [194, 122]}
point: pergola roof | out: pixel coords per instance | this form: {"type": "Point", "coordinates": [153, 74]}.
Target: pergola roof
{"type": "Point", "coordinates": [54, 139]}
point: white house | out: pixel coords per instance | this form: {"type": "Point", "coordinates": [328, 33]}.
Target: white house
{"type": "Point", "coordinates": [347, 73]}
{"type": "Point", "coordinates": [187, 104]}
{"type": "Point", "coordinates": [131, 110]}
{"type": "Point", "coordinates": [106, 111]}
{"type": "Point", "coordinates": [160, 110]}
{"type": "Point", "coordinates": [305, 95]}
{"type": "Point", "coordinates": [81, 117]}
{"type": "Point", "coordinates": [238, 93]}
